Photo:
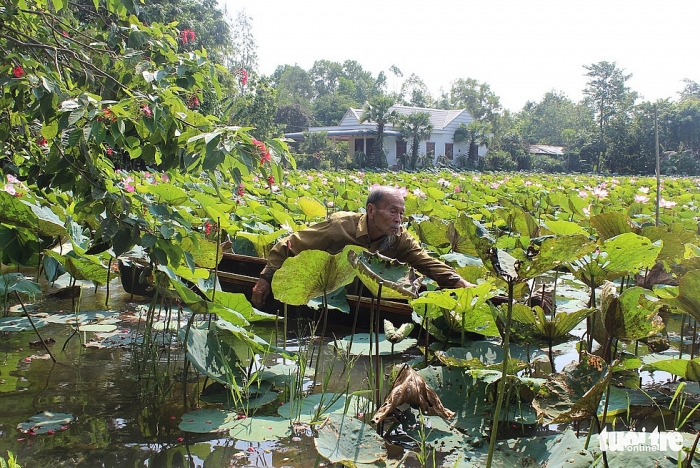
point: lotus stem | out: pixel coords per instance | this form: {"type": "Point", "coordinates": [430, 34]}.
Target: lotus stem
{"type": "Point", "coordinates": [692, 343]}
{"type": "Point", "coordinates": [377, 363]}
{"type": "Point", "coordinates": [323, 333]}
{"type": "Point", "coordinates": [109, 271]}
{"type": "Point", "coordinates": [504, 373]}
{"type": "Point", "coordinates": [29, 317]}
{"type": "Point", "coordinates": [357, 312]}
{"type": "Point", "coordinates": [216, 259]}
{"type": "Point", "coordinates": [691, 454]}
{"type": "Point", "coordinates": [680, 348]}
{"type": "Point", "coordinates": [284, 326]}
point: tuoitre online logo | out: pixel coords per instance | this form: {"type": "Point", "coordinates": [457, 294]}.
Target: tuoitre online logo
{"type": "Point", "coordinates": [643, 441]}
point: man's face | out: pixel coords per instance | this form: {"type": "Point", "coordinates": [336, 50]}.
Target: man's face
{"type": "Point", "coordinates": [385, 217]}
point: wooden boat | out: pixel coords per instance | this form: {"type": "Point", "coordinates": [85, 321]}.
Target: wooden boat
{"type": "Point", "coordinates": [239, 273]}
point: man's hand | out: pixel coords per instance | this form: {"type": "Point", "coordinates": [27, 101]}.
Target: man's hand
{"type": "Point", "coordinates": [462, 283]}
{"type": "Point", "coordinates": [260, 292]}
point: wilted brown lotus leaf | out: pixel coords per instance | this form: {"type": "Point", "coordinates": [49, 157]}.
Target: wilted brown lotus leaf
{"type": "Point", "coordinates": [410, 387]}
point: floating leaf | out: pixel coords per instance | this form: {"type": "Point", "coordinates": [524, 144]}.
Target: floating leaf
{"type": "Point", "coordinates": [688, 369]}
{"type": "Point", "coordinates": [312, 406]}
{"type": "Point", "coordinates": [344, 439]}
{"type": "Point", "coordinates": [260, 428]}
{"type": "Point", "coordinates": [337, 300]}
{"type": "Point", "coordinates": [205, 421]}
{"type": "Point", "coordinates": [361, 344]}
{"type": "Point", "coordinates": [46, 422]}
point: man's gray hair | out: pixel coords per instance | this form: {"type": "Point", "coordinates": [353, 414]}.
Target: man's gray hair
{"type": "Point", "coordinates": [377, 194]}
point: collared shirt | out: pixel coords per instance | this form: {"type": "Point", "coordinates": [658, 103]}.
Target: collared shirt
{"type": "Point", "coordinates": [345, 228]}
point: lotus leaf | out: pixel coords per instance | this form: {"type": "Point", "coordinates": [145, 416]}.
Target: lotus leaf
{"type": "Point", "coordinates": [610, 224]}
{"type": "Point", "coordinates": [564, 228]}
{"type": "Point", "coordinates": [557, 251]}
{"type": "Point", "coordinates": [311, 274]}
{"type": "Point", "coordinates": [315, 405]}
{"type": "Point", "coordinates": [11, 324]}
{"type": "Point", "coordinates": [575, 393]}
{"type": "Point", "coordinates": [46, 422]}
{"type": "Point", "coordinates": [396, 335]}
{"type": "Point", "coordinates": [344, 439]}
{"type": "Point", "coordinates": [16, 282]}
{"type": "Point", "coordinates": [399, 280]}
{"type": "Point", "coordinates": [252, 341]}
{"type": "Point", "coordinates": [688, 299]}
{"type": "Point", "coordinates": [311, 208]}
{"type": "Point", "coordinates": [655, 458]}
{"type": "Point", "coordinates": [260, 428]}
{"type": "Point", "coordinates": [337, 300]}
{"type": "Point", "coordinates": [362, 341]}
{"type": "Point", "coordinates": [208, 420]}
{"type": "Point", "coordinates": [557, 451]}
{"type": "Point", "coordinates": [688, 369]}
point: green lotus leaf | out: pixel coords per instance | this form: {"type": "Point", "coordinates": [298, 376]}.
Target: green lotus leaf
{"type": "Point", "coordinates": [45, 422]}
{"type": "Point", "coordinates": [504, 264]}
{"type": "Point", "coordinates": [673, 249]}
{"type": "Point", "coordinates": [204, 252]}
{"type": "Point", "coordinates": [239, 303]}
{"type": "Point", "coordinates": [471, 237]}
{"type": "Point", "coordinates": [260, 428]}
{"type": "Point", "coordinates": [610, 224]}
{"type": "Point", "coordinates": [16, 282]}
{"type": "Point", "coordinates": [361, 344]}
{"type": "Point", "coordinates": [344, 439]}
{"type": "Point", "coordinates": [252, 341]}
{"type": "Point", "coordinates": [312, 406]}
{"type": "Point", "coordinates": [633, 316]}
{"type": "Point", "coordinates": [619, 256]}
{"type": "Point", "coordinates": [399, 280]}
{"type": "Point", "coordinates": [262, 242]}
{"type": "Point", "coordinates": [542, 326]}
{"type": "Point", "coordinates": [688, 369]}
{"type": "Point", "coordinates": [86, 267]}
{"type": "Point", "coordinates": [211, 355]}
{"type": "Point", "coordinates": [564, 228]}
{"type": "Point", "coordinates": [433, 232]}
{"type": "Point", "coordinates": [688, 299]}
{"type": "Point", "coordinates": [311, 208]}
{"type": "Point", "coordinates": [337, 300]}
{"type": "Point", "coordinates": [554, 252]}
{"type": "Point", "coordinates": [311, 274]}
{"type": "Point", "coordinates": [205, 421]}
{"type": "Point", "coordinates": [556, 451]}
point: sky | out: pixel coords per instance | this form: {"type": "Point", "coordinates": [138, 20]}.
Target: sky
{"type": "Point", "coordinates": [521, 48]}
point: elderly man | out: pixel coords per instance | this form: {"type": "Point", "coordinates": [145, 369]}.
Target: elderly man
{"type": "Point", "coordinates": [379, 230]}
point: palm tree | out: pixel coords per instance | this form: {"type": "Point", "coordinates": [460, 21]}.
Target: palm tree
{"type": "Point", "coordinates": [379, 111]}
{"type": "Point", "coordinates": [415, 128]}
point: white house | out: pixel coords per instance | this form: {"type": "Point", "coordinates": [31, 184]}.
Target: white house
{"type": "Point", "coordinates": [361, 136]}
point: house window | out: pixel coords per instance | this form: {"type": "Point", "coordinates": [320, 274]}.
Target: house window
{"type": "Point", "coordinates": [360, 145]}
{"type": "Point", "coordinates": [430, 148]}
{"type": "Point", "coordinates": [448, 151]}
{"type": "Point", "coordinates": [401, 148]}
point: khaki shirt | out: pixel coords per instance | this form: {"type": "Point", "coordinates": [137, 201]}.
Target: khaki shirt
{"type": "Point", "coordinates": [345, 228]}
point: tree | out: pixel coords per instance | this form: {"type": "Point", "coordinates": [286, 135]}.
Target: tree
{"type": "Point", "coordinates": [294, 118]}
{"type": "Point", "coordinates": [245, 55]}
{"type": "Point", "coordinates": [477, 133]}
{"type": "Point", "coordinates": [543, 122]}
{"type": "Point", "coordinates": [477, 98]}
{"type": "Point", "coordinates": [415, 128]}
{"type": "Point", "coordinates": [379, 111]}
{"type": "Point", "coordinates": [256, 109]}
{"type": "Point", "coordinates": [414, 92]}
{"type": "Point", "coordinates": [608, 98]}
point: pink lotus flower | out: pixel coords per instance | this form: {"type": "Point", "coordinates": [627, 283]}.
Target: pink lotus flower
{"type": "Point", "coordinates": [643, 189]}
{"type": "Point", "coordinates": [600, 193]}
{"type": "Point", "coordinates": [165, 178]}
{"type": "Point", "coordinates": [9, 188]}
{"type": "Point", "coordinates": [419, 193]}
{"type": "Point", "coordinates": [457, 189]}
{"type": "Point", "coordinates": [641, 198]}
{"type": "Point", "coordinates": [667, 203]}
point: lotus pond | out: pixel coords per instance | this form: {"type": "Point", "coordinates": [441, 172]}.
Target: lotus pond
{"type": "Point", "coordinates": [582, 319]}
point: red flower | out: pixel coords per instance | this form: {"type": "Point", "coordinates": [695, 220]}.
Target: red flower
{"type": "Point", "coordinates": [264, 152]}
{"type": "Point", "coordinates": [65, 34]}
{"type": "Point", "coordinates": [207, 228]}
{"type": "Point", "coordinates": [270, 180]}
{"type": "Point", "coordinates": [193, 101]}
{"type": "Point", "coordinates": [42, 141]}
{"type": "Point", "coordinates": [110, 151]}
{"type": "Point", "coordinates": [146, 110]}
{"type": "Point", "coordinates": [187, 35]}
{"type": "Point", "coordinates": [241, 189]}
{"type": "Point", "coordinates": [243, 73]}
{"type": "Point", "coordinates": [18, 72]}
